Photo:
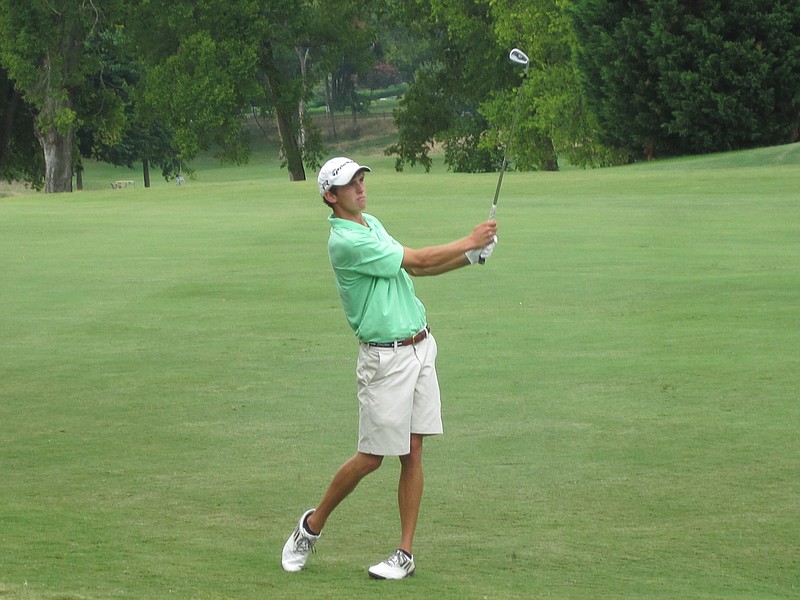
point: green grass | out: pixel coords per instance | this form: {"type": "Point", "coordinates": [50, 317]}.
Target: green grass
{"type": "Point", "coordinates": [619, 383]}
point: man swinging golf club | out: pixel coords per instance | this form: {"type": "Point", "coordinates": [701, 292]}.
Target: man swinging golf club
{"type": "Point", "coordinates": [398, 390]}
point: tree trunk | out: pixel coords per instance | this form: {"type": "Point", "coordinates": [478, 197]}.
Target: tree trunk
{"type": "Point", "coordinates": [329, 106]}
{"type": "Point", "coordinates": [356, 131]}
{"type": "Point", "coordinates": [302, 54]}
{"type": "Point", "coordinates": [551, 162]}
{"type": "Point", "coordinates": [284, 107]}
{"type": "Point", "coordinates": [57, 147]}
{"type": "Point", "coordinates": [146, 172]}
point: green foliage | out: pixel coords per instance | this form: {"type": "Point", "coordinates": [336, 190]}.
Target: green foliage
{"type": "Point", "coordinates": [47, 49]}
{"type": "Point", "coordinates": [480, 89]}
{"type": "Point", "coordinates": [41, 45]}
{"type": "Point", "coordinates": [402, 41]}
{"type": "Point", "coordinates": [245, 55]}
{"type": "Point", "coordinates": [122, 131]}
{"type": "Point", "coordinates": [730, 77]}
{"type": "Point", "coordinates": [423, 112]}
{"type": "Point", "coordinates": [463, 148]}
{"type": "Point", "coordinates": [666, 77]}
{"type": "Point", "coordinates": [557, 123]}
{"type": "Point", "coordinates": [345, 57]}
{"type": "Point", "coordinates": [608, 80]}
{"type": "Point", "coordinates": [442, 102]}
{"type": "Point", "coordinates": [206, 69]}
{"type": "Point", "coordinates": [62, 119]}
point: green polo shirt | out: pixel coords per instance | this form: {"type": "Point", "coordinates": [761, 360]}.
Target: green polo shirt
{"type": "Point", "coordinates": [377, 294]}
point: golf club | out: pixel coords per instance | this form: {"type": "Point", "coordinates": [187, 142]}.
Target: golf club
{"type": "Point", "coordinates": [519, 57]}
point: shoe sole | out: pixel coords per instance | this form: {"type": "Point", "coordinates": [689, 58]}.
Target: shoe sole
{"type": "Point", "coordinates": [382, 578]}
{"type": "Point", "coordinates": [285, 570]}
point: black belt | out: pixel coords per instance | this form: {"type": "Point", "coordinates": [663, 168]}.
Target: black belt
{"type": "Point", "coordinates": [406, 342]}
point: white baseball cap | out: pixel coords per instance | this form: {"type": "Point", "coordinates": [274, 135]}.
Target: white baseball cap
{"type": "Point", "coordinates": [337, 171]}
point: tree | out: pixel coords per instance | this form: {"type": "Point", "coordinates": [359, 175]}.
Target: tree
{"type": "Point", "coordinates": [140, 137]}
{"type": "Point", "coordinates": [729, 72]}
{"type": "Point", "coordinates": [670, 77]}
{"type": "Point", "coordinates": [556, 122]}
{"type": "Point", "coordinates": [626, 84]}
{"type": "Point", "coordinates": [199, 88]}
{"type": "Point", "coordinates": [465, 98]}
{"type": "Point", "coordinates": [43, 47]}
{"type": "Point", "coordinates": [343, 65]}
{"type": "Point", "coordinates": [402, 38]}
{"type": "Point", "coordinates": [211, 62]}
{"type": "Point", "coordinates": [442, 102]}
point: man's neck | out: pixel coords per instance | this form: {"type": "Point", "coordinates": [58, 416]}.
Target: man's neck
{"type": "Point", "coordinates": [354, 217]}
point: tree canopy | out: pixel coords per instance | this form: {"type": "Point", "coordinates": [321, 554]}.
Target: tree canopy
{"type": "Point", "coordinates": [670, 77]}
{"type": "Point", "coordinates": [46, 49]}
{"type": "Point", "coordinates": [215, 60]}
{"type": "Point", "coordinates": [464, 97]}
{"type": "Point", "coordinates": [159, 81]}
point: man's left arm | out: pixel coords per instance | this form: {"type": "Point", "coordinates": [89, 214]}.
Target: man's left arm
{"type": "Point", "coordinates": [420, 269]}
{"type": "Point", "coordinates": [456, 263]}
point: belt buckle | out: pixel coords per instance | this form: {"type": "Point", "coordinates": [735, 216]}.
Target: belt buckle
{"type": "Point", "coordinates": [420, 336]}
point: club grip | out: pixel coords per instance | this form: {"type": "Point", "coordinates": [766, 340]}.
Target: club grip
{"type": "Point", "coordinates": [482, 260]}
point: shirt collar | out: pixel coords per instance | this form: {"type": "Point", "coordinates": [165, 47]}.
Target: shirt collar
{"type": "Point", "coordinates": [348, 224]}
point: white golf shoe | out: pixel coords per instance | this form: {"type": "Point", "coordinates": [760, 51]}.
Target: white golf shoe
{"type": "Point", "coordinates": [299, 545]}
{"type": "Point", "coordinates": [398, 566]}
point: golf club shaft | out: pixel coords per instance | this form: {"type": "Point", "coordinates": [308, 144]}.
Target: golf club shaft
{"type": "Point", "coordinates": [493, 209]}
{"type": "Point", "coordinates": [505, 154]}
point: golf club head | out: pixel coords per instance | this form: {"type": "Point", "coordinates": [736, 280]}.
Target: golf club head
{"type": "Point", "coordinates": [518, 56]}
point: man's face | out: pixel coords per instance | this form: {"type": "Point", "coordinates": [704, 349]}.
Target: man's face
{"type": "Point", "coordinates": [350, 199]}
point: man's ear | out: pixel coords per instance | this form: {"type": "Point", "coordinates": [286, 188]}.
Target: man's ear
{"type": "Point", "coordinates": [330, 197]}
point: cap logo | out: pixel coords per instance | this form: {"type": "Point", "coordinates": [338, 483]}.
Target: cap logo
{"type": "Point", "coordinates": [335, 172]}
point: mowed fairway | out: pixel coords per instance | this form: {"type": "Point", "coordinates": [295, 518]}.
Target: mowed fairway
{"type": "Point", "coordinates": [620, 387]}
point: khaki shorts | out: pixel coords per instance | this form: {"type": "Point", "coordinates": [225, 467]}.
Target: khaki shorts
{"type": "Point", "coordinates": [398, 394]}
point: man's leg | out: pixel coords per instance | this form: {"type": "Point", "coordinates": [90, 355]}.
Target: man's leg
{"type": "Point", "coordinates": [345, 481]}
{"type": "Point", "coordinates": [301, 543]}
{"type": "Point", "coordinates": [409, 496]}
{"type": "Point", "coordinates": [409, 492]}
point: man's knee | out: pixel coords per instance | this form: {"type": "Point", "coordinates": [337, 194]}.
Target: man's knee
{"type": "Point", "coordinates": [415, 454]}
{"type": "Point", "coordinates": [369, 462]}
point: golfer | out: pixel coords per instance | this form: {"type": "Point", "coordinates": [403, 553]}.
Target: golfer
{"type": "Point", "coordinates": [398, 391]}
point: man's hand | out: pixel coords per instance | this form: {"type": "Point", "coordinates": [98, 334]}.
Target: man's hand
{"type": "Point", "coordinates": [483, 235]}
{"type": "Point", "coordinates": [481, 254]}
